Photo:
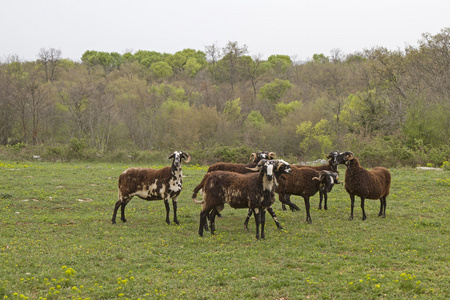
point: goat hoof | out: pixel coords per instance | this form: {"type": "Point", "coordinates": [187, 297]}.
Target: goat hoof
{"type": "Point", "coordinates": [280, 227]}
{"type": "Point", "coordinates": [176, 222]}
{"type": "Point", "coordinates": [350, 219]}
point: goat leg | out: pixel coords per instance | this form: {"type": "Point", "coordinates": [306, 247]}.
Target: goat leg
{"type": "Point", "coordinates": [116, 207]}
{"type": "Point", "coordinates": [307, 206]}
{"type": "Point", "coordinates": [362, 208]}
{"type": "Point", "coordinates": [166, 203]}
{"type": "Point", "coordinates": [352, 205]}
{"type": "Point", "coordinates": [263, 223]}
{"type": "Point", "coordinates": [249, 215]}
{"type": "Point", "coordinates": [212, 220]}
{"type": "Point", "coordinates": [122, 211]}
{"type": "Point", "coordinates": [274, 217]}
{"type": "Point", "coordinates": [203, 216]}
{"type": "Point", "coordinates": [175, 205]}
{"type": "Point", "coordinates": [321, 197]}
{"type": "Point", "coordinates": [257, 221]}
{"type": "Point", "coordinates": [285, 200]}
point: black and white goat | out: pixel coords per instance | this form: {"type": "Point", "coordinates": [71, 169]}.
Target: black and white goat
{"type": "Point", "coordinates": [367, 184]}
{"type": "Point", "coordinates": [254, 191]}
{"type": "Point", "coordinates": [151, 184]}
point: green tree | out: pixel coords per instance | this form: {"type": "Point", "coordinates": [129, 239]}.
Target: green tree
{"type": "Point", "coordinates": [274, 91]}
{"type": "Point", "coordinates": [284, 109]}
{"type": "Point", "coordinates": [255, 119]}
{"type": "Point", "coordinates": [320, 58]}
{"type": "Point", "coordinates": [161, 69]}
{"type": "Point", "coordinates": [192, 66]}
{"type": "Point", "coordinates": [364, 113]}
{"type": "Point", "coordinates": [232, 110]}
{"type": "Point", "coordinates": [317, 140]}
{"type": "Point", "coordinates": [279, 63]}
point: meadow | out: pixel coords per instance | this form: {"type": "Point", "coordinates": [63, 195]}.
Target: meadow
{"type": "Point", "coordinates": [57, 241]}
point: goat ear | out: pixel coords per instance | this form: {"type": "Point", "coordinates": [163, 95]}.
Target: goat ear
{"type": "Point", "coordinates": [171, 156]}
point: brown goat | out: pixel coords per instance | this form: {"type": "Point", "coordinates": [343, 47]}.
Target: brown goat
{"type": "Point", "coordinates": [306, 182]}
{"type": "Point", "coordinates": [151, 184]}
{"type": "Point", "coordinates": [242, 168]}
{"type": "Point", "coordinates": [254, 191]}
{"type": "Point", "coordinates": [334, 159]}
{"type": "Point", "coordinates": [366, 184]}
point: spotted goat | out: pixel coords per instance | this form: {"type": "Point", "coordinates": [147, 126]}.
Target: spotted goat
{"type": "Point", "coordinates": [152, 184]}
{"type": "Point", "coordinates": [253, 191]}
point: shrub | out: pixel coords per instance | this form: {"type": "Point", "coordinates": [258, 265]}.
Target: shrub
{"type": "Point", "coordinates": [446, 166]}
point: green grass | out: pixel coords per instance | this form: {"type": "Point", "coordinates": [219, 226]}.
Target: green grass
{"type": "Point", "coordinates": [57, 242]}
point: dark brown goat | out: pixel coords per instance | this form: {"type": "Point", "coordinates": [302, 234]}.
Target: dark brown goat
{"type": "Point", "coordinates": [334, 159]}
{"type": "Point", "coordinates": [242, 168]}
{"type": "Point", "coordinates": [306, 182]}
{"type": "Point", "coordinates": [254, 191]}
{"type": "Point", "coordinates": [151, 184]}
{"type": "Point", "coordinates": [366, 184]}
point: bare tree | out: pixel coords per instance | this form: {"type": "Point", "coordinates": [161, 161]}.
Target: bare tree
{"type": "Point", "coordinates": [231, 53]}
{"type": "Point", "coordinates": [49, 59]}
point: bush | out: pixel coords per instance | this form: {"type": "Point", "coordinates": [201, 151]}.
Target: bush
{"type": "Point", "coordinates": [446, 166]}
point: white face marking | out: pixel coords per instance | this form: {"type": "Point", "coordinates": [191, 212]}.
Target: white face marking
{"type": "Point", "coordinates": [332, 180]}
{"type": "Point", "coordinates": [270, 170]}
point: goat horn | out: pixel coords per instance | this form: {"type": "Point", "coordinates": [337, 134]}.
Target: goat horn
{"type": "Point", "coordinates": [255, 169]}
{"type": "Point", "coordinates": [272, 155]}
{"type": "Point", "coordinates": [188, 158]}
{"type": "Point", "coordinates": [316, 178]}
{"type": "Point", "coordinates": [350, 156]}
{"type": "Point", "coordinates": [253, 156]}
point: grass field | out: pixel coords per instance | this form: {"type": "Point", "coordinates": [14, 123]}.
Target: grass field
{"type": "Point", "coordinates": [57, 242]}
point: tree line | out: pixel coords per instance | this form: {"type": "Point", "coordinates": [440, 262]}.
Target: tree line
{"type": "Point", "coordinates": [390, 105]}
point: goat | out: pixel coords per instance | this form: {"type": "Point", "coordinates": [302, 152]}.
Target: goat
{"type": "Point", "coordinates": [239, 168]}
{"type": "Point", "coordinates": [334, 159]}
{"type": "Point", "coordinates": [244, 169]}
{"type": "Point", "coordinates": [306, 182]}
{"type": "Point", "coordinates": [367, 184]}
{"type": "Point", "coordinates": [151, 184]}
{"type": "Point", "coordinates": [254, 191]}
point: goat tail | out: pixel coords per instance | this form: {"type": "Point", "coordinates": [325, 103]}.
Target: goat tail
{"type": "Point", "coordinates": [197, 189]}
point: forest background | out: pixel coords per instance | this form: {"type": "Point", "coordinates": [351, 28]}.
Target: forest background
{"type": "Point", "coordinates": [390, 107]}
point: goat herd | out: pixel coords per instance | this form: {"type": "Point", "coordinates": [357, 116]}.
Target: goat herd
{"type": "Point", "coordinates": [253, 186]}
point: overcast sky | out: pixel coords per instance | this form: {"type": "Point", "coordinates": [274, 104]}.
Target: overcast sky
{"type": "Point", "coordinates": [298, 28]}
